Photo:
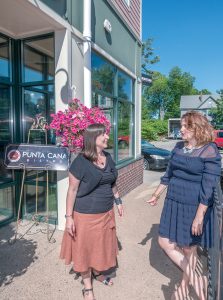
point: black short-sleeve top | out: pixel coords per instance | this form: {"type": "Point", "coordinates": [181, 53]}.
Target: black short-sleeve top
{"type": "Point", "coordinates": [95, 190]}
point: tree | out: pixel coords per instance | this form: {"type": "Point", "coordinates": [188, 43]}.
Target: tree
{"type": "Point", "coordinates": [180, 83]}
{"type": "Point", "coordinates": [159, 96]}
{"type": "Point", "coordinates": [217, 112]}
{"type": "Point", "coordinates": [148, 57]}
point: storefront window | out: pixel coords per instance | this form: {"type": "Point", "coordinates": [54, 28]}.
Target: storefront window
{"type": "Point", "coordinates": [6, 203]}
{"type": "Point", "coordinates": [103, 74]}
{"type": "Point", "coordinates": [5, 114]}
{"type": "Point", "coordinates": [5, 130]}
{"type": "Point", "coordinates": [106, 103]}
{"type": "Point", "coordinates": [113, 92]}
{"type": "Point", "coordinates": [38, 60]}
{"type": "Point", "coordinates": [124, 130]}
{"type": "Point", "coordinates": [38, 104]}
{"type": "Point", "coordinates": [35, 199]}
{"type": "Point", "coordinates": [124, 86]}
{"type": "Point", "coordinates": [4, 59]}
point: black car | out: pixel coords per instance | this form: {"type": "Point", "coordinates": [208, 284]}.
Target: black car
{"type": "Point", "coordinates": [154, 158]}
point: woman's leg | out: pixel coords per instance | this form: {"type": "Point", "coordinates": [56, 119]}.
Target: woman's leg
{"type": "Point", "coordinates": [181, 261]}
{"type": "Point", "coordinates": [191, 255]}
{"type": "Point", "coordinates": [88, 289]}
{"type": "Point", "coordinates": [102, 278]}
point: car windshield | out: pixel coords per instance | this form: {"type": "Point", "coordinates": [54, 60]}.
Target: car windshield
{"type": "Point", "coordinates": [147, 144]}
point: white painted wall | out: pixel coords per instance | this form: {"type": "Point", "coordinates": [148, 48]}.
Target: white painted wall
{"type": "Point", "coordinates": [69, 84]}
{"type": "Point", "coordinates": [77, 69]}
{"type": "Point", "coordinates": [138, 88]}
{"type": "Point", "coordinates": [62, 97]}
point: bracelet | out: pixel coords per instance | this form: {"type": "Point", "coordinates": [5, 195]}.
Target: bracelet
{"type": "Point", "coordinates": [67, 216]}
{"type": "Point", "coordinates": [156, 196]}
{"type": "Point", "coordinates": [118, 201]}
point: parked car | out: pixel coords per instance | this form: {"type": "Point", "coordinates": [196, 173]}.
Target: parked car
{"type": "Point", "coordinates": [123, 141]}
{"type": "Point", "coordinates": [218, 138]}
{"type": "Point", "coordinates": [154, 157]}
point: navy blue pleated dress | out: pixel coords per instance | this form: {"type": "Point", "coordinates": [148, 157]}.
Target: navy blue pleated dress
{"type": "Point", "coordinates": [191, 178]}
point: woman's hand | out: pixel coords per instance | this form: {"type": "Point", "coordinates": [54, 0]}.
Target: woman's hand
{"type": "Point", "coordinates": [153, 201]}
{"type": "Point", "coordinates": [70, 227]}
{"type": "Point", "coordinates": [120, 210]}
{"type": "Point", "coordinates": [197, 226]}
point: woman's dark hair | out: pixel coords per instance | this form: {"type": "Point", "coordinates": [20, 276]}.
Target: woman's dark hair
{"type": "Point", "coordinates": [90, 135]}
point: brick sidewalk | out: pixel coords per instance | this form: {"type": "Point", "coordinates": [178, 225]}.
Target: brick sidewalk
{"type": "Point", "coordinates": [30, 269]}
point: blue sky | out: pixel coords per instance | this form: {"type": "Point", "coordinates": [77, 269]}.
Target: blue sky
{"type": "Point", "coordinates": [188, 34]}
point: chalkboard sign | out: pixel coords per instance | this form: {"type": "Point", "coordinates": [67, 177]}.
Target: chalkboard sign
{"type": "Point", "coordinates": [42, 157]}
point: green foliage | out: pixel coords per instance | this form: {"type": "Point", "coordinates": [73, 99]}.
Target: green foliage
{"type": "Point", "coordinates": [180, 83]}
{"type": "Point", "coordinates": [217, 113]}
{"type": "Point", "coordinates": [159, 95]}
{"type": "Point", "coordinates": [148, 56]}
{"type": "Point", "coordinates": [154, 129]}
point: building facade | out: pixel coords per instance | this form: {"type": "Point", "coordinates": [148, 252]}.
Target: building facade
{"type": "Point", "coordinates": [200, 103]}
{"type": "Point", "coordinates": [52, 51]}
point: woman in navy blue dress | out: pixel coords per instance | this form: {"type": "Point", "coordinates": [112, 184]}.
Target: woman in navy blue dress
{"type": "Point", "coordinates": [187, 217]}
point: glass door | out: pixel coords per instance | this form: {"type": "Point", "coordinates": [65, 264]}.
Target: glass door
{"type": "Point", "coordinates": [7, 190]}
{"type": "Point", "coordinates": [37, 104]}
{"type": "Point", "coordinates": [26, 93]}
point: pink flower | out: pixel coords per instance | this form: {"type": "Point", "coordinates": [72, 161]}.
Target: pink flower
{"type": "Point", "coordinates": [71, 123]}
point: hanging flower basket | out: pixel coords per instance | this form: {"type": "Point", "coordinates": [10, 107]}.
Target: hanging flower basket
{"type": "Point", "coordinates": [69, 125]}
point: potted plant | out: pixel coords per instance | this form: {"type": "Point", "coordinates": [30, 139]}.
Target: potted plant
{"type": "Point", "coordinates": [69, 125]}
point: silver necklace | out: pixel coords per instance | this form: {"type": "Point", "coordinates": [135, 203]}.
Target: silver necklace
{"type": "Point", "coordinates": [188, 150]}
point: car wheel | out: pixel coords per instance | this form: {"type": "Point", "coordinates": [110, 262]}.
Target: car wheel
{"type": "Point", "coordinates": [122, 145]}
{"type": "Point", "coordinates": [146, 165]}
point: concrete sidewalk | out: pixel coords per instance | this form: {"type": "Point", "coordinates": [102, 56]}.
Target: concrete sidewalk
{"type": "Point", "coordinates": [31, 269]}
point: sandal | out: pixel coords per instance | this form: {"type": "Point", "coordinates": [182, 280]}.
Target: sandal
{"type": "Point", "coordinates": [87, 290]}
{"type": "Point", "coordinates": [106, 281]}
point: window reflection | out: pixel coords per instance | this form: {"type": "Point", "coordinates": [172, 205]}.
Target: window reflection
{"type": "Point", "coordinates": [106, 103]}
{"type": "Point", "coordinates": [6, 203]}
{"type": "Point", "coordinates": [5, 114]}
{"type": "Point", "coordinates": [35, 108]}
{"type": "Point", "coordinates": [124, 130]}
{"type": "Point", "coordinates": [39, 60]}
{"type": "Point", "coordinates": [30, 203]}
{"type": "Point", "coordinates": [4, 58]}
{"type": "Point", "coordinates": [113, 92]}
{"type": "Point", "coordinates": [124, 86]}
{"type": "Point", "coordinates": [102, 75]}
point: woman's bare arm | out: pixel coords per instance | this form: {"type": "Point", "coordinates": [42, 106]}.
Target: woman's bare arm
{"type": "Point", "coordinates": [71, 196]}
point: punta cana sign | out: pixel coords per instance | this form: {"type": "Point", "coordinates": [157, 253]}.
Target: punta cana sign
{"type": "Point", "coordinates": [42, 157]}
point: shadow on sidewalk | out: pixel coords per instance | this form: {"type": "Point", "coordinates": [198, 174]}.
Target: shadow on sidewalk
{"type": "Point", "coordinates": [16, 258]}
{"type": "Point", "coordinates": [160, 261]}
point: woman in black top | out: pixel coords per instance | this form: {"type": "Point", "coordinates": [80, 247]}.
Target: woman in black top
{"type": "Point", "coordinates": [90, 237]}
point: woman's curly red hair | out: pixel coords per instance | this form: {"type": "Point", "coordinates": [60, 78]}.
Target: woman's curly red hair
{"type": "Point", "coordinates": [195, 121]}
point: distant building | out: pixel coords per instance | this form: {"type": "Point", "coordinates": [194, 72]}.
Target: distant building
{"type": "Point", "coordinates": [201, 103]}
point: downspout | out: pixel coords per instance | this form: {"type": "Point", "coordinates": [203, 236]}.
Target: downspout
{"type": "Point", "coordinates": [87, 52]}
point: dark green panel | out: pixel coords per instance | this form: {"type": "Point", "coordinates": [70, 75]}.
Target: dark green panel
{"type": "Point", "coordinates": [60, 6]}
{"type": "Point", "coordinates": [77, 14]}
{"type": "Point", "coordinates": [120, 44]}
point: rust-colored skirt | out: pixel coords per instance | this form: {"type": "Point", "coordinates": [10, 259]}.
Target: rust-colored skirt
{"type": "Point", "coordinates": [95, 244]}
